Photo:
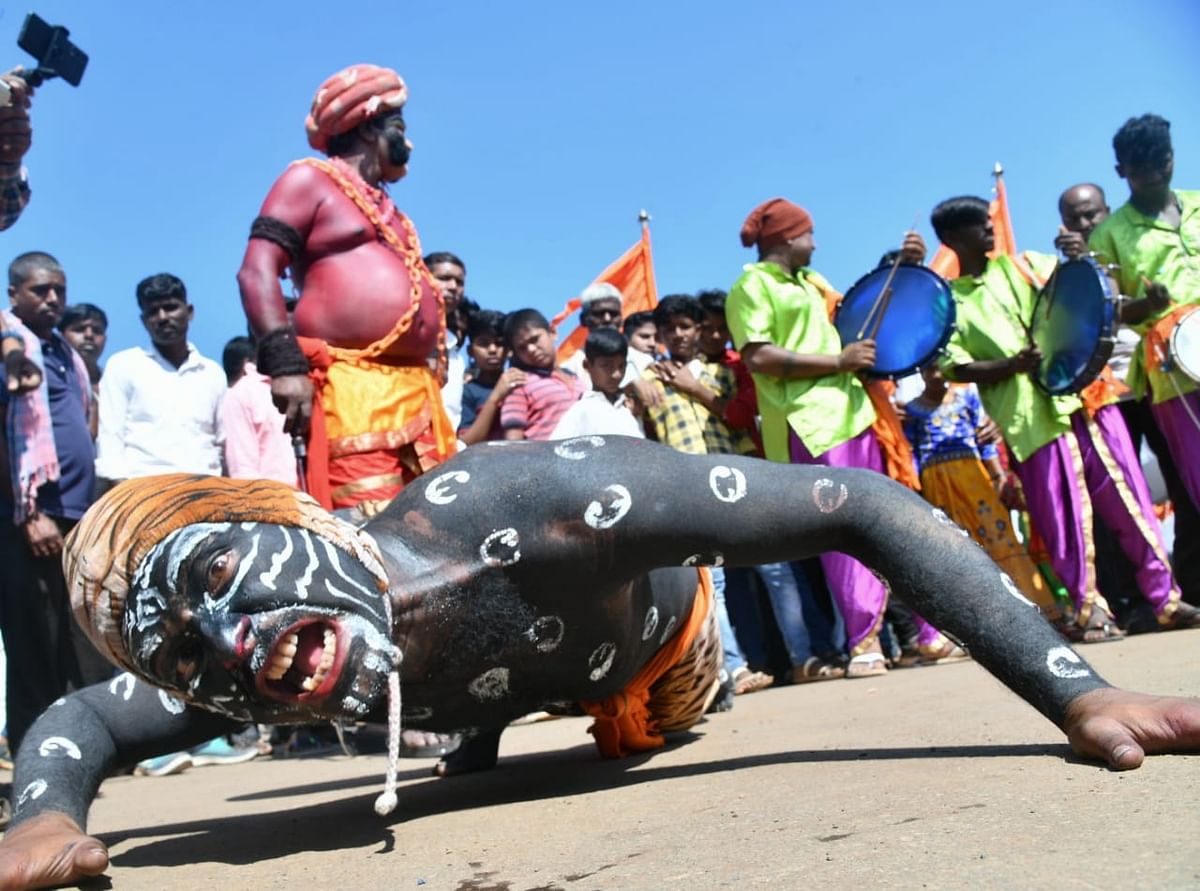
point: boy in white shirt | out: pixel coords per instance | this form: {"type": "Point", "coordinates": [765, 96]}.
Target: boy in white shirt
{"type": "Point", "coordinates": [605, 410]}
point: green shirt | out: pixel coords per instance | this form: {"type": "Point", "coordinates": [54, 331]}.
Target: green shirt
{"type": "Point", "coordinates": [1146, 246]}
{"type": "Point", "coordinates": [990, 312]}
{"type": "Point", "coordinates": [767, 305]}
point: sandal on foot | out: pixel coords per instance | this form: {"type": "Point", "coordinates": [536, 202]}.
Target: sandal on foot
{"type": "Point", "coordinates": [1101, 628]}
{"type": "Point", "coordinates": [867, 665]}
{"type": "Point", "coordinates": [948, 651]}
{"type": "Point", "coordinates": [816, 669]}
{"type": "Point", "coordinates": [747, 681]}
{"type": "Point", "coordinates": [1183, 616]}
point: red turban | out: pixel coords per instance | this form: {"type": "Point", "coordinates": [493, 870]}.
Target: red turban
{"type": "Point", "coordinates": [352, 96]}
{"type": "Point", "coordinates": [774, 222]}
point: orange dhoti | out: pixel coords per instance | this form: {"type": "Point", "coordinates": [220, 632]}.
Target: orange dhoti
{"type": "Point", "coordinates": [377, 425]}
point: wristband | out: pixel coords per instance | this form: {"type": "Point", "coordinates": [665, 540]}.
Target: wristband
{"type": "Point", "coordinates": [279, 354]}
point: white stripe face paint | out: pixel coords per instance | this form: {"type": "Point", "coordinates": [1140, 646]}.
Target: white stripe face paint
{"type": "Point", "coordinates": [601, 660]}
{"type": "Point", "coordinates": [183, 542]}
{"type": "Point", "coordinates": [727, 483]}
{"type": "Point", "coordinates": [335, 560]}
{"type": "Point", "coordinates": [439, 492]}
{"type": "Point", "coordinates": [58, 747]}
{"type": "Point", "coordinates": [667, 631]}
{"type": "Point", "coordinates": [278, 560]}
{"type": "Point", "coordinates": [1063, 662]}
{"type": "Point", "coordinates": [243, 569]}
{"type": "Point", "coordinates": [305, 580]}
{"type": "Point", "coordinates": [126, 680]}
{"type": "Point", "coordinates": [601, 516]}
{"type": "Point", "coordinates": [342, 595]}
{"type": "Point", "coordinates": [713, 559]}
{"type": "Point", "coordinates": [826, 498]}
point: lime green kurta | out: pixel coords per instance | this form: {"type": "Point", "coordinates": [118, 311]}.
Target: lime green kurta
{"type": "Point", "coordinates": [768, 305]}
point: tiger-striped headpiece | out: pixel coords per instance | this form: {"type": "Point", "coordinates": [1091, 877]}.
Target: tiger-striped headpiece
{"type": "Point", "coordinates": [103, 552]}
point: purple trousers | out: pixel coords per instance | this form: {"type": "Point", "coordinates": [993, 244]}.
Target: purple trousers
{"type": "Point", "coordinates": [1179, 421]}
{"type": "Point", "coordinates": [1094, 467]}
{"type": "Point", "coordinates": [859, 595]}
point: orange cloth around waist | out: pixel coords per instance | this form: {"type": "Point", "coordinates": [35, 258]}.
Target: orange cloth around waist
{"type": "Point", "coordinates": [1106, 389]}
{"type": "Point", "coordinates": [1158, 338]}
{"type": "Point", "coordinates": [366, 405]}
{"type": "Point", "coordinates": [623, 723]}
{"type": "Point", "coordinates": [897, 452]}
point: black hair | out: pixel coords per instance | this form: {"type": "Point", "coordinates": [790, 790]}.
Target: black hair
{"type": "Point", "coordinates": [80, 312]}
{"type": "Point", "coordinates": [236, 354]}
{"type": "Point", "coordinates": [485, 322]}
{"type": "Point", "coordinates": [433, 259]}
{"type": "Point", "coordinates": [636, 320]}
{"type": "Point", "coordinates": [603, 342]}
{"type": "Point", "coordinates": [678, 305]}
{"type": "Point", "coordinates": [956, 213]}
{"type": "Point", "coordinates": [347, 142]}
{"type": "Point", "coordinates": [24, 265]}
{"type": "Point", "coordinates": [712, 301]}
{"type": "Point", "coordinates": [516, 322]}
{"type": "Point", "coordinates": [1143, 142]}
{"type": "Point", "coordinates": [163, 286]}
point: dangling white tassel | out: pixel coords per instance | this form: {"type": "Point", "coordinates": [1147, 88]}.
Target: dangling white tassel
{"type": "Point", "coordinates": [386, 802]}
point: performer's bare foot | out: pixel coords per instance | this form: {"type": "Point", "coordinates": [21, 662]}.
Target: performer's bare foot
{"type": "Point", "coordinates": [1121, 727]}
{"type": "Point", "coordinates": [478, 752]}
{"type": "Point", "coordinates": [47, 851]}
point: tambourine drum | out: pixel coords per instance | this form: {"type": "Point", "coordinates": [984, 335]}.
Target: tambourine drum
{"type": "Point", "coordinates": [916, 323]}
{"type": "Point", "coordinates": [1074, 326]}
{"type": "Point", "coordinates": [1185, 345]}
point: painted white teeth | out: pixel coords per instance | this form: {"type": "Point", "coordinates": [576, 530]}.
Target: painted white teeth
{"type": "Point", "coordinates": [285, 653]}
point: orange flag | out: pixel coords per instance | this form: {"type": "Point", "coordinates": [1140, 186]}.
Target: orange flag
{"type": "Point", "coordinates": [632, 274]}
{"type": "Point", "coordinates": [945, 263]}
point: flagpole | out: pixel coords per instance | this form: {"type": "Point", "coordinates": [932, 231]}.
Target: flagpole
{"type": "Point", "coordinates": [643, 218]}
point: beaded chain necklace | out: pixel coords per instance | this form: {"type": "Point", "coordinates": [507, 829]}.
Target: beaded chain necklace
{"type": "Point", "coordinates": [380, 211]}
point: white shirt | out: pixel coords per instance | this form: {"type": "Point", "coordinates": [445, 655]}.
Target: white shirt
{"type": "Point", "coordinates": [594, 415]}
{"type": "Point", "coordinates": [636, 363]}
{"type": "Point", "coordinates": [456, 371]}
{"type": "Point", "coordinates": [156, 418]}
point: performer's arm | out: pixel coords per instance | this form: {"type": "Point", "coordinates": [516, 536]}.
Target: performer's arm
{"type": "Point", "coordinates": [775, 361]}
{"type": "Point", "coordinates": [650, 506]}
{"type": "Point", "coordinates": [62, 761]}
{"type": "Point", "coordinates": [990, 371]}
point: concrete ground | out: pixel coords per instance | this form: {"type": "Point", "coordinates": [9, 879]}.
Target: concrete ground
{"type": "Point", "coordinates": [930, 777]}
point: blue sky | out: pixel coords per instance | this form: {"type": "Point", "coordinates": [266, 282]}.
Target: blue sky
{"type": "Point", "coordinates": [542, 128]}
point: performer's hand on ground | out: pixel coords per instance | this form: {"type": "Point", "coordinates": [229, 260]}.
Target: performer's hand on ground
{"type": "Point", "coordinates": [293, 396]}
{"type": "Point", "coordinates": [43, 536]}
{"type": "Point", "coordinates": [22, 374]}
{"type": "Point", "coordinates": [913, 248]}
{"type": "Point", "coordinates": [47, 851]}
{"type": "Point", "coordinates": [1121, 727]}
{"type": "Point", "coordinates": [860, 354]}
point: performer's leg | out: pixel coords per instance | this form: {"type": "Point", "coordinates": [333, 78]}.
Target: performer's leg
{"type": "Point", "coordinates": [1122, 498]}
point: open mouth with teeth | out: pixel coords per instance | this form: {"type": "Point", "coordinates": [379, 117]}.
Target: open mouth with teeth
{"type": "Point", "coordinates": [304, 663]}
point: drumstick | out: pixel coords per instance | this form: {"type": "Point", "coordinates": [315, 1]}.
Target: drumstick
{"type": "Point", "coordinates": [885, 293]}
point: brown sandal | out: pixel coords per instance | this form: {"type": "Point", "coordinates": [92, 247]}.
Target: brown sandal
{"type": "Point", "coordinates": [816, 669]}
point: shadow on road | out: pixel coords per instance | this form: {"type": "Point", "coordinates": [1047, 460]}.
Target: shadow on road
{"type": "Point", "coordinates": [351, 822]}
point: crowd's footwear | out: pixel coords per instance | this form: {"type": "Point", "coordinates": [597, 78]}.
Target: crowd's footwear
{"type": "Point", "coordinates": [220, 751]}
{"type": "Point", "coordinates": [817, 669]}
{"type": "Point", "coordinates": [947, 651]}
{"type": "Point", "coordinates": [164, 765]}
{"type": "Point", "coordinates": [747, 681]}
{"type": "Point", "coordinates": [1100, 628]}
{"type": "Point", "coordinates": [867, 665]}
{"type": "Point", "coordinates": [1183, 616]}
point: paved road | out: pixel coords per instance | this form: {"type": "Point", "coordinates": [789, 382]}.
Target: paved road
{"type": "Point", "coordinates": [933, 777]}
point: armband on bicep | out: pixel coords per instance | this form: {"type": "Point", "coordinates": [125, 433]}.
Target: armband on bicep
{"type": "Point", "coordinates": [279, 354]}
{"type": "Point", "coordinates": [279, 233]}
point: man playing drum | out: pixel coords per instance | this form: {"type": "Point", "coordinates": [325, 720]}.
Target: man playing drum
{"type": "Point", "coordinates": [1155, 240]}
{"type": "Point", "coordinates": [1069, 460]}
{"type": "Point", "coordinates": [814, 408]}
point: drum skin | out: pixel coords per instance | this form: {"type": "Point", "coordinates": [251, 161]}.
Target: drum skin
{"type": "Point", "coordinates": [1074, 326]}
{"type": "Point", "coordinates": [917, 322]}
{"type": "Point", "coordinates": [1185, 345]}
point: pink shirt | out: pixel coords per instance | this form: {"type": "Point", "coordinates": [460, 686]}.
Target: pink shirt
{"type": "Point", "coordinates": [255, 445]}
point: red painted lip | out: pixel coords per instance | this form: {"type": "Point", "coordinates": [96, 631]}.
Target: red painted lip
{"type": "Point", "coordinates": [284, 691]}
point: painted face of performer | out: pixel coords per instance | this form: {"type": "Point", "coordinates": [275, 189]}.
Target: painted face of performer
{"type": "Point", "coordinates": [261, 622]}
{"type": "Point", "coordinates": [395, 147]}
